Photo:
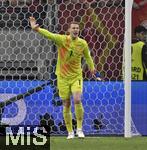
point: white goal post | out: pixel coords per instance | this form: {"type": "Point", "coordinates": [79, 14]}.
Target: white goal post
{"type": "Point", "coordinates": [127, 63]}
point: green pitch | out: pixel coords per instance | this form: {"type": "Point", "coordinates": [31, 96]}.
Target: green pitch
{"type": "Point", "coordinates": [96, 143]}
{"type": "Point", "coordinates": [89, 143]}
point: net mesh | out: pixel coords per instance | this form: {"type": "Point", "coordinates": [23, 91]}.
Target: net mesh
{"type": "Point", "coordinates": [27, 63]}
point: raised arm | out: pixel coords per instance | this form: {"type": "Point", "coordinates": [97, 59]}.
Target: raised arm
{"type": "Point", "coordinates": [57, 38]}
{"type": "Point", "coordinates": [33, 24]}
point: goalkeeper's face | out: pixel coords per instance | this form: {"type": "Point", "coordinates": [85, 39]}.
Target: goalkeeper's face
{"type": "Point", "coordinates": [74, 30]}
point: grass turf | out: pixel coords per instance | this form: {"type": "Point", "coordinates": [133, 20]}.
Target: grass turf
{"type": "Point", "coordinates": [89, 143]}
{"type": "Point", "coordinates": [102, 143]}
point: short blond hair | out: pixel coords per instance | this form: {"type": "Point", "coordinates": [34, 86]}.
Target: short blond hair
{"type": "Point", "coordinates": [72, 22]}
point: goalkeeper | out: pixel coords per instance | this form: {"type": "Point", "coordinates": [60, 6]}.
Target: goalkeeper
{"type": "Point", "coordinates": [71, 49]}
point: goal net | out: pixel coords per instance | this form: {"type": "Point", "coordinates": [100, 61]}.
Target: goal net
{"type": "Point", "coordinates": [28, 92]}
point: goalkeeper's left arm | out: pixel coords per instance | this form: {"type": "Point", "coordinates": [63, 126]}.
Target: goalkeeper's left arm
{"type": "Point", "coordinates": [88, 58]}
{"type": "Point", "coordinates": [90, 63]}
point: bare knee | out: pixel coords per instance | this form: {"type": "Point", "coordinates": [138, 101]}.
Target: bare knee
{"type": "Point", "coordinates": [66, 103]}
{"type": "Point", "coordinates": [77, 97]}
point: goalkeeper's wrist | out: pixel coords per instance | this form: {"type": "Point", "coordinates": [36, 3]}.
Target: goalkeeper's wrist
{"type": "Point", "coordinates": [93, 71]}
{"type": "Point", "coordinates": [36, 29]}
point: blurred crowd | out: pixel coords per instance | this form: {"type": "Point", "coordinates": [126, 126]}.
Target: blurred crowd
{"type": "Point", "coordinates": [139, 13]}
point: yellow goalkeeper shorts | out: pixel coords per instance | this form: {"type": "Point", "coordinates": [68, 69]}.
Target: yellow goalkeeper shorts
{"type": "Point", "coordinates": [68, 87]}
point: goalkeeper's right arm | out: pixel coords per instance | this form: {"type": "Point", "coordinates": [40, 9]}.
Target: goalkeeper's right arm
{"type": "Point", "coordinates": [52, 36]}
{"type": "Point", "coordinates": [33, 24]}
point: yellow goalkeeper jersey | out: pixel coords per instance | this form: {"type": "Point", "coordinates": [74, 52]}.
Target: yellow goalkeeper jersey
{"type": "Point", "coordinates": [70, 53]}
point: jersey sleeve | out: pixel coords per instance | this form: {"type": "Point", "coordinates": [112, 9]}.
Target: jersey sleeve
{"type": "Point", "coordinates": [57, 38]}
{"type": "Point", "coordinates": [88, 57]}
